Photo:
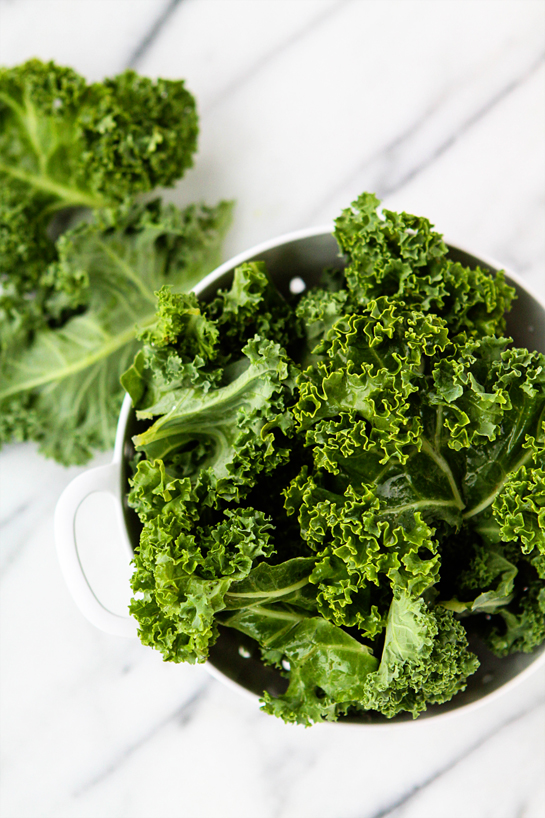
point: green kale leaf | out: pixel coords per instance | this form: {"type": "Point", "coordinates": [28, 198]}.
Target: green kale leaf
{"type": "Point", "coordinates": [424, 660]}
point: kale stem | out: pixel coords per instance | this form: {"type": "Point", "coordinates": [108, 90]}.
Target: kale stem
{"type": "Point", "coordinates": [444, 466]}
{"type": "Point", "coordinates": [491, 497]}
{"type": "Point", "coordinates": [72, 196]}
{"type": "Point", "coordinates": [263, 595]}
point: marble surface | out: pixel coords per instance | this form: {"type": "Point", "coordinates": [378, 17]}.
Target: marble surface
{"type": "Point", "coordinates": [439, 108]}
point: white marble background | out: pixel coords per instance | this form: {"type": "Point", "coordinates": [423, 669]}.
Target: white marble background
{"type": "Point", "coordinates": [439, 108]}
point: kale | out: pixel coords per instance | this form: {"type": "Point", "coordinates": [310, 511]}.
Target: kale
{"type": "Point", "coordinates": [65, 146]}
{"type": "Point", "coordinates": [81, 256]}
{"type": "Point", "coordinates": [351, 478]}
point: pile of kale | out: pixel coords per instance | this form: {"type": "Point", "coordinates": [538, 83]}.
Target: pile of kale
{"type": "Point", "coordinates": [349, 477]}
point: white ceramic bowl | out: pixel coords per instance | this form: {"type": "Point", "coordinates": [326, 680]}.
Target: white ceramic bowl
{"type": "Point", "coordinates": [291, 259]}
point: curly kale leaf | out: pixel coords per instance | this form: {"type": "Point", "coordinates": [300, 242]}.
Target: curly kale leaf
{"type": "Point", "coordinates": [319, 310]}
{"type": "Point", "coordinates": [368, 367]}
{"type": "Point", "coordinates": [252, 306]}
{"type": "Point", "coordinates": [62, 389]}
{"type": "Point", "coordinates": [359, 541]}
{"type": "Point", "coordinates": [65, 145]}
{"type": "Point", "coordinates": [186, 564]}
{"type": "Point", "coordinates": [482, 388]}
{"type": "Point", "coordinates": [201, 344]}
{"type": "Point", "coordinates": [519, 509]}
{"type": "Point", "coordinates": [176, 349]}
{"type": "Point", "coordinates": [401, 257]}
{"type": "Point", "coordinates": [327, 666]}
{"type": "Point", "coordinates": [425, 659]}
{"type": "Point", "coordinates": [227, 431]}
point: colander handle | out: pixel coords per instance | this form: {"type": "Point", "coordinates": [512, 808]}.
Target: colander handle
{"type": "Point", "coordinates": [104, 479]}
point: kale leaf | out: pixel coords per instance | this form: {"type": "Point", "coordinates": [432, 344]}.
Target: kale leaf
{"type": "Point", "coordinates": [66, 145]}
{"type": "Point", "coordinates": [63, 388]}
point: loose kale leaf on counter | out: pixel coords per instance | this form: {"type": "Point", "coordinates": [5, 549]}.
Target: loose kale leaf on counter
{"type": "Point", "coordinates": [67, 145]}
{"type": "Point", "coordinates": [81, 256]}
{"type": "Point", "coordinates": [354, 477]}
